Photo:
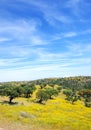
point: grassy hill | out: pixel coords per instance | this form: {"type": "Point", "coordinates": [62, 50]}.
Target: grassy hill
{"type": "Point", "coordinates": [55, 114]}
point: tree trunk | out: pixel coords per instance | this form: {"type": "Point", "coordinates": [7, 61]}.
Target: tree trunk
{"type": "Point", "coordinates": [40, 101]}
{"type": "Point", "coordinates": [10, 100]}
{"type": "Point", "coordinates": [27, 95]}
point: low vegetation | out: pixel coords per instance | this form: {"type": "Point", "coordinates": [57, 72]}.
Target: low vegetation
{"type": "Point", "coordinates": [57, 104]}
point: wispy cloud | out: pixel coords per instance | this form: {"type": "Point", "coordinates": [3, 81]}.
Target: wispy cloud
{"type": "Point", "coordinates": [21, 31]}
{"type": "Point", "coordinates": [40, 56]}
{"type": "Point", "coordinates": [42, 72]}
{"type": "Point", "coordinates": [51, 14]}
{"type": "Point", "coordinates": [44, 38]}
{"type": "Point", "coordinates": [64, 35]}
{"type": "Point", "coordinates": [2, 39]}
{"type": "Point", "coordinates": [79, 48]}
{"type": "Point", "coordinates": [74, 5]}
{"type": "Point", "coordinates": [71, 34]}
{"type": "Point", "coordinates": [79, 8]}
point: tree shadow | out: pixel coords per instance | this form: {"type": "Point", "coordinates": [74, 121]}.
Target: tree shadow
{"type": "Point", "coordinates": [7, 102]}
{"type": "Point", "coordinates": [41, 103]}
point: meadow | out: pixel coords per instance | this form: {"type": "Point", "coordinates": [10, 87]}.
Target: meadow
{"type": "Point", "coordinates": [55, 114]}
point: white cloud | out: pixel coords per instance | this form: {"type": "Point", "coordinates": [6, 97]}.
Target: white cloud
{"type": "Point", "coordinates": [79, 8]}
{"type": "Point", "coordinates": [70, 34]}
{"type": "Point", "coordinates": [87, 31]}
{"type": "Point", "coordinates": [64, 35]}
{"type": "Point", "coordinates": [25, 52]}
{"type": "Point", "coordinates": [48, 61]}
{"type": "Point", "coordinates": [10, 62]}
{"type": "Point", "coordinates": [47, 64]}
{"type": "Point", "coordinates": [73, 3]}
{"type": "Point", "coordinates": [79, 48]}
{"type": "Point", "coordinates": [75, 6]}
{"type": "Point", "coordinates": [51, 13]}
{"type": "Point", "coordinates": [2, 39]}
{"type": "Point", "coordinates": [21, 31]}
{"type": "Point", "coordinates": [43, 72]}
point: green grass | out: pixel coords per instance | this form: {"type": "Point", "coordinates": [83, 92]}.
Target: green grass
{"type": "Point", "coordinates": [56, 114]}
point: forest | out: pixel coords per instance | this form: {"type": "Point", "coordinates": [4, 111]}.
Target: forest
{"type": "Point", "coordinates": [75, 88]}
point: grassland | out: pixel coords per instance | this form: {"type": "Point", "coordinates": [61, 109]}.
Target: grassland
{"type": "Point", "coordinates": [56, 114]}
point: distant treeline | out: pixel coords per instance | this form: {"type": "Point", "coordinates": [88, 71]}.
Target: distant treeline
{"type": "Point", "coordinates": [75, 88]}
{"type": "Point", "coordinates": [79, 82]}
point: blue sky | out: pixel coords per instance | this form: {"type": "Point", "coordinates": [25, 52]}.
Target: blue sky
{"type": "Point", "coordinates": [44, 38]}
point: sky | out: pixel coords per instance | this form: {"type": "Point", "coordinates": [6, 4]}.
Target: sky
{"type": "Point", "coordinates": [44, 38]}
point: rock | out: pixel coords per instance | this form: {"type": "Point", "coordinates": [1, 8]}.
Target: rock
{"type": "Point", "coordinates": [26, 115]}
